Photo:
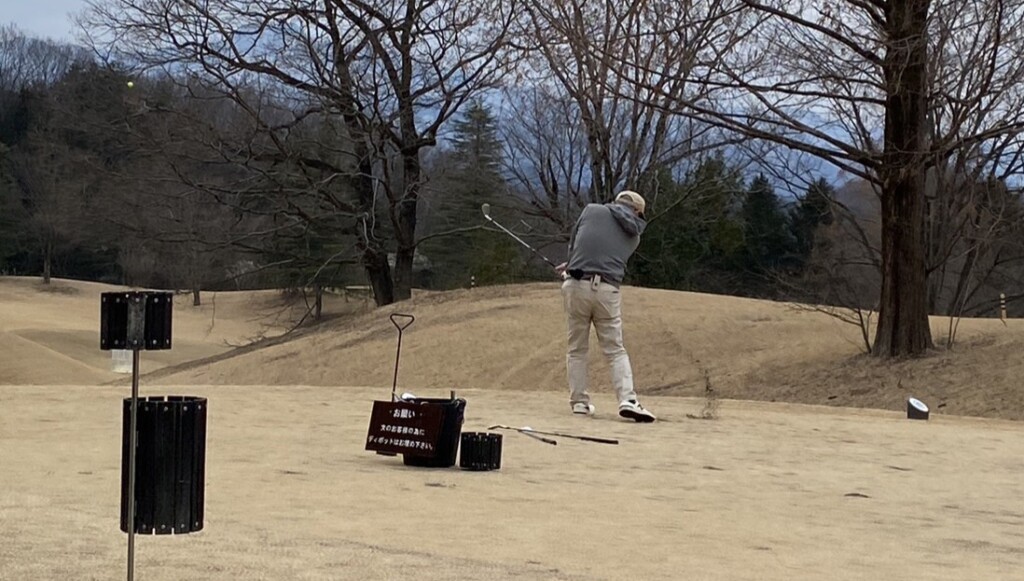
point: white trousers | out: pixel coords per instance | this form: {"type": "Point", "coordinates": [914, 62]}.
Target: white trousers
{"type": "Point", "coordinates": [600, 305]}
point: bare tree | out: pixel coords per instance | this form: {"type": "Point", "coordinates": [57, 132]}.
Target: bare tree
{"type": "Point", "coordinates": [976, 247]}
{"type": "Point", "coordinates": [392, 73]}
{"type": "Point", "coordinates": [587, 132]}
{"type": "Point", "coordinates": [975, 124]}
{"type": "Point", "coordinates": [44, 175]}
{"type": "Point", "coordinates": [842, 276]}
{"type": "Point", "coordinates": [546, 154]}
{"type": "Point", "coordinates": [27, 61]}
{"type": "Point", "coordinates": [37, 160]}
{"type": "Point", "coordinates": [861, 84]}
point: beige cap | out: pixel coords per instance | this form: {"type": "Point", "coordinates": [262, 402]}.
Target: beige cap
{"type": "Point", "coordinates": [633, 199]}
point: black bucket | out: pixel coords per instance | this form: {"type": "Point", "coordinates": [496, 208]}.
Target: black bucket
{"type": "Point", "coordinates": [451, 429]}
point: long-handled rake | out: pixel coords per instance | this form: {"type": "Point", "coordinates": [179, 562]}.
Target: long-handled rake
{"type": "Point", "coordinates": [398, 354]}
{"type": "Point", "coordinates": [526, 430]}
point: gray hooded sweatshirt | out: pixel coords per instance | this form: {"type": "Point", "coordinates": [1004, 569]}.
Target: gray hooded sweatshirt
{"type": "Point", "coordinates": [603, 239]}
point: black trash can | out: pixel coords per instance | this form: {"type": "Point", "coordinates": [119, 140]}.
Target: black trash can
{"type": "Point", "coordinates": [480, 451]}
{"type": "Point", "coordinates": [451, 429]}
{"type": "Point", "coordinates": [170, 464]}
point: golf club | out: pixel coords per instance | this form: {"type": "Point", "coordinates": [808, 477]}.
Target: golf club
{"type": "Point", "coordinates": [536, 437]}
{"type": "Point", "coordinates": [486, 208]}
{"type": "Point", "coordinates": [530, 431]}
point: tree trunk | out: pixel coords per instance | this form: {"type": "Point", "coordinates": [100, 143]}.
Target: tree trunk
{"type": "Point", "coordinates": [403, 273]}
{"type": "Point", "coordinates": [193, 271]}
{"type": "Point", "coordinates": [379, 272]}
{"type": "Point", "coordinates": [47, 261]}
{"type": "Point", "coordinates": [318, 306]}
{"type": "Point", "coordinates": [903, 328]}
{"type": "Point", "coordinates": [404, 219]}
{"type": "Point", "coordinates": [374, 259]}
{"type": "Point", "coordinates": [961, 292]}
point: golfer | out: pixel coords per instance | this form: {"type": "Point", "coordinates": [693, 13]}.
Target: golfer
{"type": "Point", "coordinates": [601, 242]}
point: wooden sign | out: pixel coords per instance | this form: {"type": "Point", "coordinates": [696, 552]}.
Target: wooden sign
{"type": "Point", "coordinates": [405, 428]}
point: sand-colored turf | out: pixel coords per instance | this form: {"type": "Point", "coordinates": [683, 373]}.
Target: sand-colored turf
{"type": "Point", "coordinates": [766, 492]}
{"type": "Point", "coordinates": [49, 334]}
{"type": "Point", "coordinates": [769, 491]}
{"type": "Point", "coordinates": [513, 338]}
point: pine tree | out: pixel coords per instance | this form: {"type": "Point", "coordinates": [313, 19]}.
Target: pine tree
{"type": "Point", "coordinates": [811, 211]}
{"type": "Point", "coordinates": [694, 239]}
{"type": "Point", "coordinates": [766, 239]}
{"type": "Point", "coordinates": [476, 140]}
{"type": "Point", "coordinates": [470, 176]}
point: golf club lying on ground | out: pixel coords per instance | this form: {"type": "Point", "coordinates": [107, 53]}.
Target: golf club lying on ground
{"type": "Point", "coordinates": [532, 432]}
{"type": "Point", "coordinates": [528, 432]}
{"type": "Point", "coordinates": [486, 208]}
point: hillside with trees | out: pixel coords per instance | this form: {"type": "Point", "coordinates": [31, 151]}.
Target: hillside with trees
{"type": "Point", "coordinates": [323, 145]}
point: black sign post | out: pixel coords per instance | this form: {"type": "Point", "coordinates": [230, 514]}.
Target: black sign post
{"type": "Point", "coordinates": [136, 321]}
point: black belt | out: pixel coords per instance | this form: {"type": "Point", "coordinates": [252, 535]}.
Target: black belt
{"type": "Point", "coordinates": [580, 275]}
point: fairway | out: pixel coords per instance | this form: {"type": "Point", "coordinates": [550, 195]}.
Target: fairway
{"type": "Point", "coordinates": [241, 242]}
{"type": "Point", "coordinates": [802, 488]}
{"type": "Point", "coordinates": [768, 492]}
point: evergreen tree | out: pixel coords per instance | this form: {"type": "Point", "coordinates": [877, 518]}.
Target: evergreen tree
{"type": "Point", "coordinates": [476, 140]}
{"type": "Point", "coordinates": [693, 239]}
{"type": "Point", "coordinates": [812, 210]}
{"type": "Point", "coordinates": [469, 176]}
{"type": "Point", "coordinates": [766, 240]}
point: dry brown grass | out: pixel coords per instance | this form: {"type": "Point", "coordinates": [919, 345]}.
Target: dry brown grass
{"type": "Point", "coordinates": [772, 492]}
{"type": "Point", "coordinates": [766, 491]}
{"type": "Point", "coordinates": [512, 338]}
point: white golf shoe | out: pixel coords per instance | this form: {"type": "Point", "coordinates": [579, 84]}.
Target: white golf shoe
{"type": "Point", "coordinates": [583, 409]}
{"type": "Point", "coordinates": [634, 411]}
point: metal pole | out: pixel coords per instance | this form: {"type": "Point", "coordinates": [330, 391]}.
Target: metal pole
{"type": "Point", "coordinates": [133, 444]}
{"type": "Point", "coordinates": [398, 356]}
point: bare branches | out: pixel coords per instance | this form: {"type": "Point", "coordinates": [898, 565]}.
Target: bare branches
{"type": "Point", "coordinates": [384, 76]}
{"type": "Point", "coordinates": [600, 112]}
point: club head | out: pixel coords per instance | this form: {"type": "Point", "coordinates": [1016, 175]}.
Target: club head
{"type": "Point", "coordinates": [486, 209]}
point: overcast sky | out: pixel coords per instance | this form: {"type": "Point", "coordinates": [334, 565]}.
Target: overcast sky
{"type": "Point", "coordinates": [44, 18]}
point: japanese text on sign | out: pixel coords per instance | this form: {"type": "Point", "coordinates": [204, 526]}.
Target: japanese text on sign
{"type": "Point", "coordinates": [404, 428]}
{"type": "Point", "coordinates": [402, 443]}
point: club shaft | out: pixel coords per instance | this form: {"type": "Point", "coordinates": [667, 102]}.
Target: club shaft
{"type": "Point", "coordinates": [541, 438]}
{"type": "Point", "coordinates": [520, 240]}
{"type": "Point", "coordinates": [598, 440]}
{"type": "Point", "coordinates": [557, 434]}
{"type": "Point", "coordinates": [587, 438]}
